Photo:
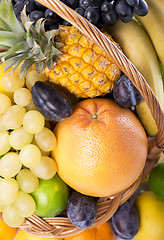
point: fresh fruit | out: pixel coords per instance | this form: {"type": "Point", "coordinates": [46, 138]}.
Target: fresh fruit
{"type": "Point", "coordinates": [142, 8]}
{"type": "Point", "coordinates": [153, 23]}
{"type": "Point", "coordinates": [11, 217]}
{"type": "Point", "coordinates": [33, 122]}
{"type": "Point", "coordinates": [80, 65]}
{"type": "Point", "coordinates": [101, 153]}
{"type": "Point", "coordinates": [156, 180]}
{"type": "Point", "coordinates": [51, 197]}
{"type": "Point", "coordinates": [52, 103]}
{"type": "Point", "coordinates": [95, 11]}
{"type": "Point", "coordinates": [19, 138]}
{"type": "Point", "coordinates": [10, 83]}
{"type": "Point", "coordinates": [101, 232]}
{"type": "Point", "coordinates": [6, 232]}
{"type": "Point", "coordinates": [151, 215]}
{"type": "Point", "coordinates": [137, 46]}
{"type": "Point", "coordinates": [5, 145]}
{"type": "Point", "coordinates": [10, 165]}
{"type": "Point", "coordinates": [24, 204]}
{"type": "Point", "coordinates": [5, 103]}
{"type": "Point", "coordinates": [45, 139]}
{"type": "Point", "coordinates": [81, 210]}
{"type": "Point", "coordinates": [21, 150]}
{"type": "Point", "coordinates": [22, 235]}
{"type": "Point", "coordinates": [8, 191]}
{"type": "Point", "coordinates": [133, 3]}
{"type": "Point", "coordinates": [124, 10]}
{"type": "Point", "coordinates": [125, 221]}
{"type": "Point", "coordinates": [22, 97]}
{"type": "Point", "coordinates": [145, 116]}
{"type": "Point", "coordinates": [13, 117]}
{"type": "Point", "coordinates": [125, 93]}
{"type": "Point", "coordinates": [46, 169]}
{"type": "Point", "coordinates": [2, 72]}
{"type": "Point", "coordinates": [30, 155]}
{"type": "Point", "coordinates": [27, 181]}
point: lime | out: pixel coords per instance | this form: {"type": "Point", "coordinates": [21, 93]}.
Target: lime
{"type": "Point", "coordinates": [156, 180]}
{"type": "Point", "coordinates": [51, 197]}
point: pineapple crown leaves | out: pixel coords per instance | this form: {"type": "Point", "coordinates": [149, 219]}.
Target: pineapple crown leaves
{"type": "Point", "coordinates": [24, 42]}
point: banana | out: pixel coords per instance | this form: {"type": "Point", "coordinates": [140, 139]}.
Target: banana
{"type": "Point", "coordinates": [137, 46]}
{"type": "Point", "coordinates": [153, 23]}
{"type": "Point", "coordinates": [145, 116]}
{"type": "Point", "coordinates": [162, 71]}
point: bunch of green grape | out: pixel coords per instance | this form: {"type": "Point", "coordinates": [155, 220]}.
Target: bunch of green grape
{"type": "Point", "coordinates": [25, 144]}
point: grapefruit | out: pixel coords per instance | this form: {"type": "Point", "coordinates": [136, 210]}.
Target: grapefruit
{"type": "Point", "coordinates": [101, 149]}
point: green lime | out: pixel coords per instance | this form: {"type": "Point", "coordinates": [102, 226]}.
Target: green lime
{"type": "Point", "coordinates": [156, 180]}
{"type": "Point", "coordinates": [51, 197]}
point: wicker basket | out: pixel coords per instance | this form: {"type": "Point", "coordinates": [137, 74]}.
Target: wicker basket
{"type": "Point", "coordinates": [61, 227]}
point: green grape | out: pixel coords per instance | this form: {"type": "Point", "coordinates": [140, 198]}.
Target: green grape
{"type": "Point", "coordinates": [46, 169]}
{"type": "Point", "coordinates": [32, 77]}
{"type": "Point", "coordinates": [8, 191]}
{"type": "Point", "coordinates": [10, 165]}
{"type": "Point", "coordinates": [20, 138]}
{"type": "Point", "coordinates": [11, 217]}
{"type": "Point", "coordinates": [33, 121]}
{"type": "Point", "coordinates": [2, 125]}
{"type": "Point", "coordinates": [24, 204]}
{"type": "Point", "coordinates": [4, 140]}
{"type": "Point", "coordinates": [30, 155]}
{"type": "Point", "coordinates": [13, 117]}
{"type": "Point", "coordinates": [27, 181]}
{"type": "Point", "coordinates": [45, 139]}
{"type": "Point", "coordinates": [10, 82]}
{"type": "Point", "coordinates": [22, 97]}
{"type": "Point", "coordinates": [43, 153]}
{"type": "Point", "coordinates": [5, 103]}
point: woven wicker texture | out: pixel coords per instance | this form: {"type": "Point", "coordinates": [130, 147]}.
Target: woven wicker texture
{"type": "Point", "coordinates": [61, 226]}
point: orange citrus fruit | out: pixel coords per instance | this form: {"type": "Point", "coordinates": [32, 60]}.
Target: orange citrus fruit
{"type": "Point", "coordinates": [101, 232]}
{"type": "Point", "coordinates": [22, 235]}
{"type": "Point", "coordinates": [101, 149]}
{"type": "Point", "coordinates": [7, 232]}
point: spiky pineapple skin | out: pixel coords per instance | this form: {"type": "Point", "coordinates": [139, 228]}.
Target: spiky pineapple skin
{"type": "Point", "coordinates": [83, 68]}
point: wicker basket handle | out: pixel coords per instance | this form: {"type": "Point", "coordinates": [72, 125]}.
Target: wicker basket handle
{"type": "Point", "coordinates": [90, 31]}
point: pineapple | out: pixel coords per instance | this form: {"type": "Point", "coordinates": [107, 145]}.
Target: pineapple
{"type": "Point", "coordinates": [66, 56]}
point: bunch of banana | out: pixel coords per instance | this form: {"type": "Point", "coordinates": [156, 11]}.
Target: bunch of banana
{"type": "Point", "coordinates": [153, 23]}
{"type": "Point", "coordinates": [142, 41]}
